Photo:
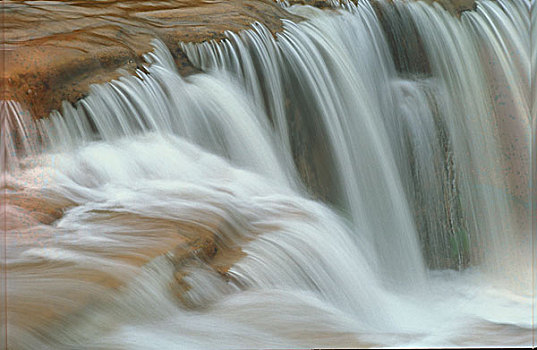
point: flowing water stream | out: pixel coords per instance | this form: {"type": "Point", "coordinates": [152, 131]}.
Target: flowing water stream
{"type": "Point", "coordinates": [367, 170]}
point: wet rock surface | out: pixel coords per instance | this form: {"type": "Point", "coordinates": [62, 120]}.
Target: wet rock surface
{"type": "Point", "coordinates": [454, 6]}
{"type": "Point", "coordinates": [53, 50]}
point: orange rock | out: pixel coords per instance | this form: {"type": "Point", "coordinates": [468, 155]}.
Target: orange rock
{"type": "Point", "coordinates": [53, 50]}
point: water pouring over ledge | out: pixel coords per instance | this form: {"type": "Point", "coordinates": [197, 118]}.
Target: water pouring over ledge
{"type": "Point", "coordinates": [410, 160]}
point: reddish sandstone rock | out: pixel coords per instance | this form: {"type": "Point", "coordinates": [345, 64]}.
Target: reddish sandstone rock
{"type": "Point", "coordinates": [53, 50]}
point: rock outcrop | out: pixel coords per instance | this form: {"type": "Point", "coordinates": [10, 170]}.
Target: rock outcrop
{"type": "Point", "coordinates": [53, 50]}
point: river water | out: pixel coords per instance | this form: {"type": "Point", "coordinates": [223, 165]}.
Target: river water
{"type": "Point", "coordinates": [364, 174]}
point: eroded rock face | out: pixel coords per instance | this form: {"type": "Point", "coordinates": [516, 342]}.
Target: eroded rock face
{"type": "Point", "coordinates": [55, 49]}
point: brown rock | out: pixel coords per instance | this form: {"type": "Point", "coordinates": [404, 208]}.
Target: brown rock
{"type": "Point", "coordinates": [53, 50]}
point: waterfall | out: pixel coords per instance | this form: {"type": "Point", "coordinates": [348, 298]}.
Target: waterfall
{"type": "Point", "coordinates": [320, 64]}
{"type": "Point", "coordinates": [364, 175]}
{"type": "Point", "coordinates": [409, 119]}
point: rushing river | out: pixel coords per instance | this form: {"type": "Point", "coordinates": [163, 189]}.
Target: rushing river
{"type": "Point", "coordinates": [364, 174]}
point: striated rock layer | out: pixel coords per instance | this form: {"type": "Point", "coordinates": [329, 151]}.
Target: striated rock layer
{"type": "Point", "coordinates": [53, 50]}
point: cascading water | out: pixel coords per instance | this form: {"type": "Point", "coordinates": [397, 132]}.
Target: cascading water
{"type": "Point", "coordinates": [451, 117]}
{"type": "Point", "coordinates": [415, 160]}
{"type": "Point", "coordinates": [314, 57]}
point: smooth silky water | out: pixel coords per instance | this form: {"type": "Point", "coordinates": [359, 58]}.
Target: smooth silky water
{"type": "Point", "coordinates": [409, 227]}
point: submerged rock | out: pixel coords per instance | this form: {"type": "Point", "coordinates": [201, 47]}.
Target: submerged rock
{"type": "Point", "coordinates": [456, 6]}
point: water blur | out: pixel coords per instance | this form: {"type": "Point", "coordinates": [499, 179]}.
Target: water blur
{"type": "Point", "coordinates": [364, 175]}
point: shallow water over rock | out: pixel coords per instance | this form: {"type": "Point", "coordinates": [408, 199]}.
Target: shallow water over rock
{"type": "Point", "coordinates": [301, 184]}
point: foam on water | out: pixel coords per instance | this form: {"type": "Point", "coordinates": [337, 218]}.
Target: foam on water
{"type": "Point", "coordinates": [419, 242]}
